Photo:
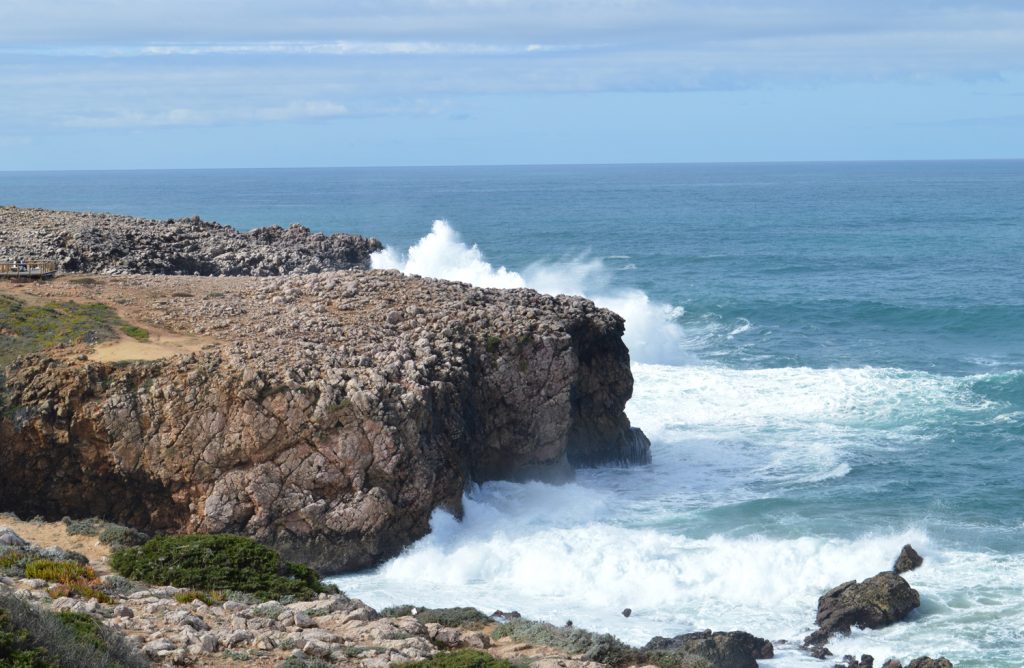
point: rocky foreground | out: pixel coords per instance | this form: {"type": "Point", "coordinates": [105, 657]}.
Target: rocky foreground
{"type": "Point", "coordinates": [326, 415]}
{"type": "Point", "coordinates": [111, 244]}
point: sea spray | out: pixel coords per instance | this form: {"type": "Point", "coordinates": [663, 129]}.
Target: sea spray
{"type": "Point", "coordinates": [652, 334]}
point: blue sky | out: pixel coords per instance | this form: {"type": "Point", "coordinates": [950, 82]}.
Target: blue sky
{"type": "Point", "coordinates": [233, 83]}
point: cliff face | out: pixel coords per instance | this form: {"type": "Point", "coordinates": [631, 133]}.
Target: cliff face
{"type": "Point", "coordinates": [112, 244]}
{"type": "Point", "coordinates": [332, 414]}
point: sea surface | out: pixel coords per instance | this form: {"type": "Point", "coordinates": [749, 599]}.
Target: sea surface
{"type": "Point", "coordinates": [829, 360]}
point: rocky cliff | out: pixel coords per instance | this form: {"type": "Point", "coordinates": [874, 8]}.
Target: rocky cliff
{"type": "Point", "coordinates": [112, 244]}
{"type": "Point", "coordinates": [326, 414]}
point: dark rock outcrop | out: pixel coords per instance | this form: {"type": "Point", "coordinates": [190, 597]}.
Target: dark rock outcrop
{"type": "Point", "coordinates": [908, 560]}
{"type": "Point", "coordinates": [732, 649]}
{"type": "Point", "coordinates": [865, 661]}
{"type": "Point", "coordinates": [327, 415]}
{"type": "Point", "coordinates": [921, 662]}
{"type": "Point", "coordinates": [111, 244]}
{"type": "Point", "coordinates": [874, 603]}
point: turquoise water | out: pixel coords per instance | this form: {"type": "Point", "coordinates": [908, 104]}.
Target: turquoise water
{"type": "Point", "coordinates": [829, 360]}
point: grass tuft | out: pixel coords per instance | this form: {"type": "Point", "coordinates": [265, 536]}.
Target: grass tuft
{"type": "Point", "coordinates": [137, 333]}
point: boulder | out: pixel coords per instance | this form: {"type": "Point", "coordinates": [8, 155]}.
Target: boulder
{"type": "Point", "coordinates": [928, 662]}
{"type": "Point", "coordinates": [908, 560]}
{"type": "Point", "coordinates": [874, 603]}
{"type": "Point", "coordinates": [732, 649]}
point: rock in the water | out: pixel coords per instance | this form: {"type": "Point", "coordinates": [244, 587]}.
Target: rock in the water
{"type": "Point", "coordinates": [733, 649]}
{"type": "Point", "coordinates": [892, 663]}
{"type": "Point", "coordinates": [866, 661]}
{"type": "Point", "coordinates": [928, 662]}
{"type": "Point", "coordinates": [908, 560]}
{"type": "Point", "coordinates": [874, 603]}
{"type": "Point", "coordinates": [627, 612]}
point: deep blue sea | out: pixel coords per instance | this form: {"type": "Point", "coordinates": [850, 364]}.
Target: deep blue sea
{"type": "Point", "coordinates": [829, 360]}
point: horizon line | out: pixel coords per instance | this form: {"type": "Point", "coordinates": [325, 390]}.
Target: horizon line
{"type": "Point", "coordinates": [520, 164]}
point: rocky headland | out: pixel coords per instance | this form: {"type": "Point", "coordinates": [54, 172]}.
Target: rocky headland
{"type": "Point", "coordinates": [183, 377]}
{"type": "Point", "coordinates": [111, 244]}
{"type": "Point", "coordinates": [325, 414]}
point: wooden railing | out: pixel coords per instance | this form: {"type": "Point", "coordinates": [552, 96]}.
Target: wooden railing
{"type": "Point", "coordinates": [28, 268]}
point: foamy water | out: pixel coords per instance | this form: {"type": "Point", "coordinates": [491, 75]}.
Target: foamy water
{"type": "Point", "coordinates": [733, 525]}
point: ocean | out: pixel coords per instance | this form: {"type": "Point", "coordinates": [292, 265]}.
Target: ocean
{"type": "Point", "coordinates": [829, 361]}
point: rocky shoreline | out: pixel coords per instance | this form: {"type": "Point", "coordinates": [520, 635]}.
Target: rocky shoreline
{"type": "Point", "coordinates": [267, 384]}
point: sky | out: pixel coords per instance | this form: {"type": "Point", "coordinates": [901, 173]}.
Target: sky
{"type": "Point", "coordinates": [129, 84]}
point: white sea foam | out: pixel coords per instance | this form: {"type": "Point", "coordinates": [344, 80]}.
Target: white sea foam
{"type": "Point", "coordinates": [643, 538]}
{"type": "Point", "coordinates": [652, 334]}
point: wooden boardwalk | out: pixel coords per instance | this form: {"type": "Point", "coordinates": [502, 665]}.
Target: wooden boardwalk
{"type": "Point", "coordinates": [28, 269]}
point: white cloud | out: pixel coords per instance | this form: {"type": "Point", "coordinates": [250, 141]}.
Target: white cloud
{"type": "Point", "coordinates": [295, 111]}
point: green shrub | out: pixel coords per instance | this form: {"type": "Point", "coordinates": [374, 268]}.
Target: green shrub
{"type": "Point", "coordinates": [117, 536]}
{"type": "Point", "coordinates": [207, 597]}
{"type": "Point", "coordinates": [463, 658]}
{"type": "Point", "coordinates": [17, 649]}
{"type": "Point", "coordinates": [79, 588]}
{"type": "Point", "coordinates": [84, 626]}
{"type": "Point", "coordinates": [469, 618]}
{"type": "Point", "coordinates": [603, 648]}
{"type": "Point", "coordinates": [137, 333]}
{"type": "Point", "coordinates": [218, 562]}
{"type": "Point", "coordinates": [32, 328]}
{"type": "Point", "coordinates": [296, 662]}
{"type": "Point", "coordinates": [34, 638]}
{"type": "Point", "coordinates": [64, 572]}
{"type": "Point", "coordinates": [115, 585]}
{"type": "Point", "coordinates": [90, 526]}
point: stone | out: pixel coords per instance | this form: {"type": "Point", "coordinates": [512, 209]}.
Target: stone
{"type": "Point", "coordinates": [303, 621]}
{"type": "Point", "coordinates": [153, 648]}
{"type": "Point", "coordinates": [209, 643]}
{"type": "Point", "coordinates": [928, 662]}
{"type": "Point", "coordinates": [875, 603]}
{"type": "Point", "coordinates": [237, 637]}
{"type": "Point", "coordinates": [627, 612]}
{"type": "Point", "coordinates": [123, 611]}
{"type": "Point", "coordinates": [733, 649]}
{"type": "Point", "coordinates": [11, 539]}
{"type": "Point", "coordinates": [908, 560]}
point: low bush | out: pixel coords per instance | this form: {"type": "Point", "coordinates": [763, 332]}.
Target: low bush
{"type": "Point", "coordinates": [297, 662]}
{"type": "Point", "coordinates": [34, 638]}
{"type": "Point", "coordinates": [115, 585]}
{"type": "Point", "coordinates": [219, 562]}
{"type": "Point", "coordinates": [207, 597]}
{"type": "Point", "coordinates": [463, 658]}
{"type": "Point", "coordinates": [80, 589]}
{"type": "Point", "coordinates": [137, 333]}
{"type": "Point", "coordinates": [600, 647]}
{"type": "Point", "coordinates": [117, 536]}
{"type": "Point", "coordinates": [468, 618]}
{"type": "Point", "coordinates": [64, 572]}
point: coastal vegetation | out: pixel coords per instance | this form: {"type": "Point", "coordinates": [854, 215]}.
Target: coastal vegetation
{"type": "Point", "coordinates": [467, 618]}
{"type": "Point", "coordinates": [31, 637]}
{"type": "Point", "coordinates": [463, 658]}
{"type": "Point", "coordinates": [28, 328]}
{"type": "Point", "coordinates": [219, 562]}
